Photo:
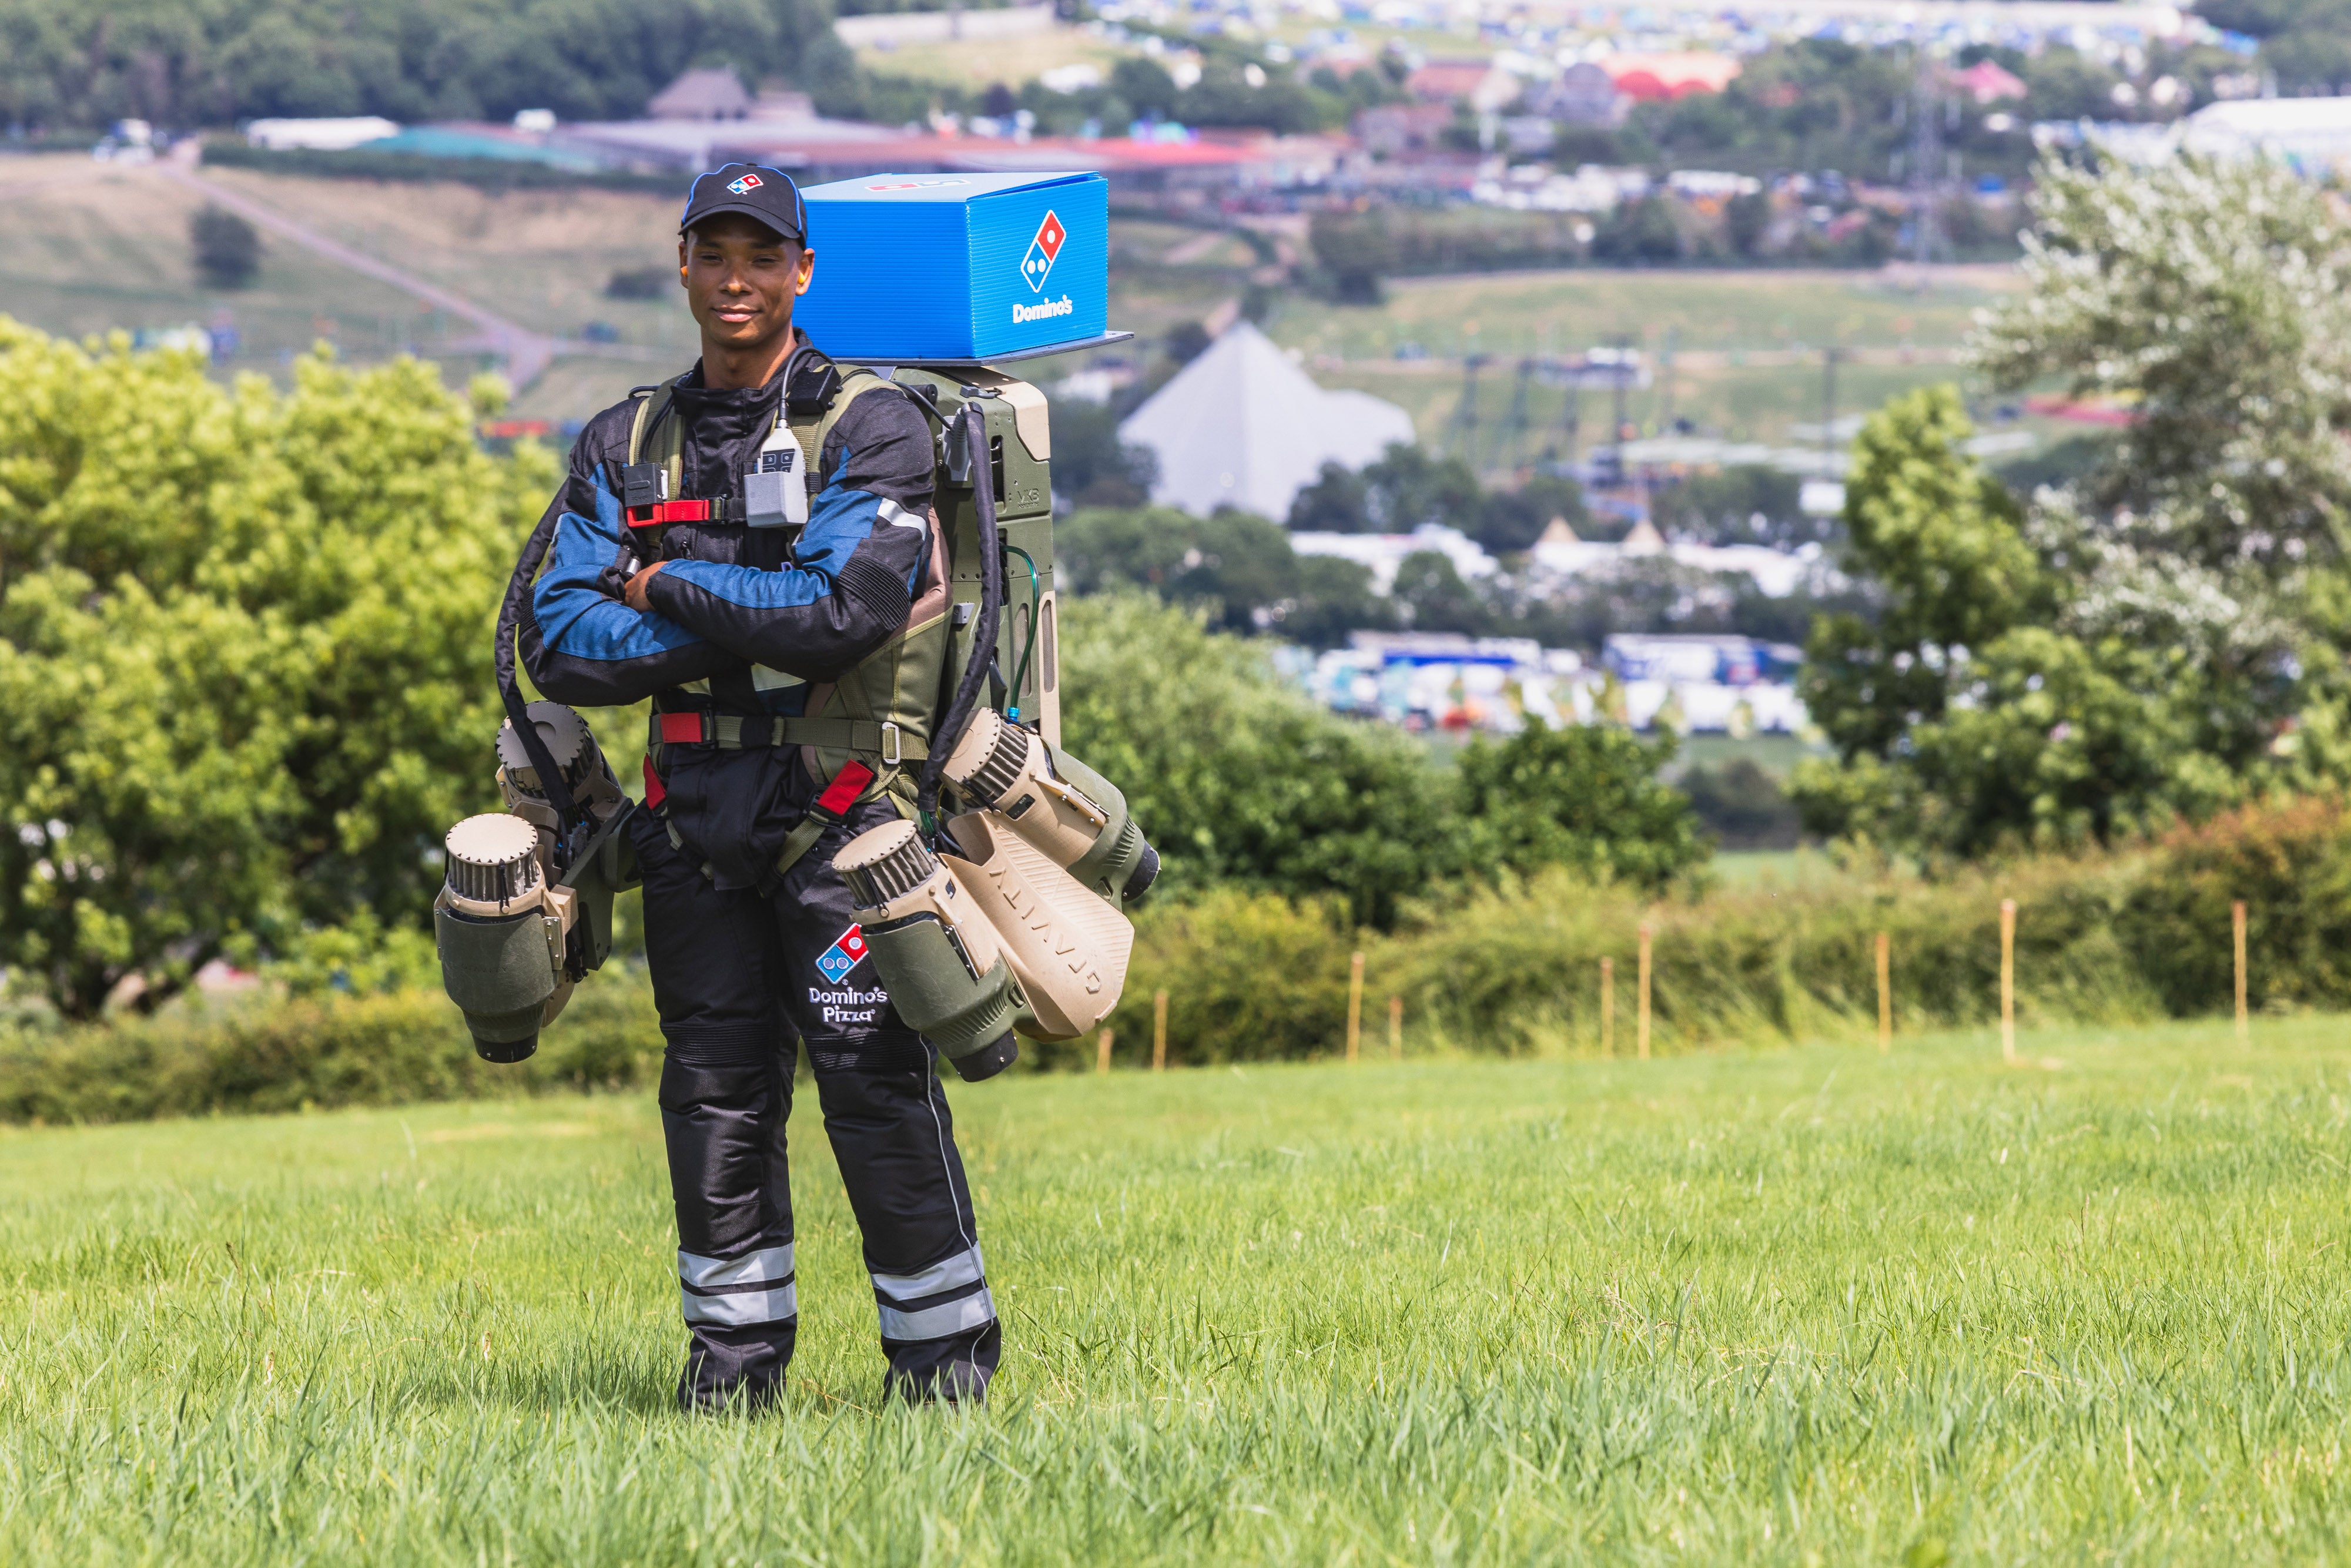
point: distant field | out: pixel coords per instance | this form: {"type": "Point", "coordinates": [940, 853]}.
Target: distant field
{"type": "Point", "coordinates": [537, 258]}
{"type": "Point", "coordinates": [1814, 1305]}
{"type": "Point", "coordinates": [1737, 404]}
{"type": "Point", "coordinates": [975, 65]}
{"type": "Point", "coordinates": [1569, 311]}
{"type": "Point", "coordinates": [86, 248]}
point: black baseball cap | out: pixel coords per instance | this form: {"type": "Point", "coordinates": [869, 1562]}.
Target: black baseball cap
{"type": "Point", "coordinates": [753, 189]}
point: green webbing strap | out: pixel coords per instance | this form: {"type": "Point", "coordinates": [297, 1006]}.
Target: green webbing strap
{"type": "Point", "coordinates": [799, 841]}
{"type": "Point", "coordinates": [870, 738]}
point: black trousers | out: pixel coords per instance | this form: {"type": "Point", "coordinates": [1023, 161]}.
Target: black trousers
{"type": "Point", "coordinates": [738, 975]}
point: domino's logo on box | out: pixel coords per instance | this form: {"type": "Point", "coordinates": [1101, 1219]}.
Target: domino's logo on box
{"type": "Point", "coordinates": [848, 951]}
{"type": "Point", "coordinates": [1038, 264]}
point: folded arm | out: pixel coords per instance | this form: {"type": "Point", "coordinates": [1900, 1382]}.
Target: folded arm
{"type": "Point", "coordinates": [582, 646]}
{"type": "Point", "coordinates": [856, 567]}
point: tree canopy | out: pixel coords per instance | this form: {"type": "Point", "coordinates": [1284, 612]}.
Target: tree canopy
{"type": "Point", "coordinates": [243, 641]}
{"type": "Point", "coordinates": [187, 63]}
{"type": "Point", "coordinates": [2165, 632]}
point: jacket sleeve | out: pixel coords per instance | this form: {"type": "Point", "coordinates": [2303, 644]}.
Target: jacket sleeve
{"type": "Point", "coordinates": [582, 646]}
{"type": "Point", "coordinates": [855, 569]}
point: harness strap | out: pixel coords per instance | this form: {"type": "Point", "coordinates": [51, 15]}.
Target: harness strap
{"type": "Point", "coordinates": [732, 732]}
{"type": "Point", "coordinates": [829, 807]}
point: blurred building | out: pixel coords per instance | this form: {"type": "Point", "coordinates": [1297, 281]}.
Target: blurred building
{"type": "Point", "coordinates": [701, 95]}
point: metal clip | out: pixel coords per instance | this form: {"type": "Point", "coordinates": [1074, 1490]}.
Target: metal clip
{"type": "Point", "coordinates": [892, 746]}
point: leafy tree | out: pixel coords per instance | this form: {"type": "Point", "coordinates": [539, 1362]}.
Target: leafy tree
{"type": "Point", "coordinates": [1586, 796]}
{"type": "Point", "coordinates": [1742, 806]}
{"type": "Point", "coordinates": [1642, 231]}
{"type": "Point", "coordinates": [1514, 519]}
{"type": "Point", "coordinates": [1237, 776]}
{"type": "Point", "coordinates": [228, 251]}
{"type": "Point", "coordinates": [1744, 218]}
{"type": "Point", "coordinates": [1997, 698]}
{"type": "Point", "coordinates": [65, 64]}
{"type": "Point", "coordinates": [2065, 84]}
{"type": "Point", "coordinates": [1354, 251]}
{"type": "Point", "coordinates": [242, 639]}
{"type": "Point", "coordinates": [1186, 342]}
{"type": "Point", "coordinates": [1091, 466]}
{"type": "Point", "coordinates": [1146, 86]}
{"type": "Point", "coordinates": [2216, 300]}
{"type": "Point", "coordinates": [1431, 597]}
{"type": "Point", "coordinates": [1403, 489]}
{"type": "Point", "coordinates": [1338, 501]}
{"type": "Point", "coordinates": [1238, 570]}
{"type": "Point", "coordinates": [1747, 503]}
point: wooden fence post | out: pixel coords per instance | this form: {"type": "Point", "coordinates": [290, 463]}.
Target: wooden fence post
{"type": "Point", "coordinates": [1395, 1029]}
{"type": "Point", "coordinates": [1159, 1031]}
{"type": "Point", "coordinates": [2237, 921]}
{"type": "Point", "coordinates": [1884, 996]}
{"type": "Point", "coordinates": [1102, 1049]}
{"type": "Point", "coordinates": [1607, 1007]}
{"type": "Point", "coordinates": [1354, 1010]}
{"type": "Point", "coordinates": [1641, 1024]}
{"type": "Point", "coordinates": [2008, 980]}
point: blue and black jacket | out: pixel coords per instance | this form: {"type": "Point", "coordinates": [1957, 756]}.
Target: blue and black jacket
{"type": "Point", "coordinates": [745, 621]}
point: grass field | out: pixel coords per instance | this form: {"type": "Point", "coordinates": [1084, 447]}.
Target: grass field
{"type": "Point", "coordinates": [1569, 311]}
{"type": "Point", "coordinates": [1810, 1306]}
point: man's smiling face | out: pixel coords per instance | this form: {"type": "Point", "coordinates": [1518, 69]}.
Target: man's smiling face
{"type": "Point", "coordinates": [741, 279]}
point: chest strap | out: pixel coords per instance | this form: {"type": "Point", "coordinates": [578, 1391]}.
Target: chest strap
{"type": "Point", "coordinates": [664, 512]}
{"type": "Point", "coordinates": [732, 732]}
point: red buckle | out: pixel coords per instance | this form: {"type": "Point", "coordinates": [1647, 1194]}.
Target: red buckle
{"type": "Point", "coordinates": [681, 728]}
{"type": "Point", "coordinates": [661, 512]}
{"type": "Point", "coordinates": [655, 791]}
{"type": "Point", "coordinates": [846, 786]}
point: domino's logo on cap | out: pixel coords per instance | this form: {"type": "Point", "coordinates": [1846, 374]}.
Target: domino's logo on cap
{"type": "Point", "coordinates": [745, 185]}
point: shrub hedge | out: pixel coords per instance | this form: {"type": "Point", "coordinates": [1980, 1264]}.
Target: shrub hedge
{"type": "Point", "coordinates": [2123, 937]}
{"type": "Point", "coordinates": [300, 1052]}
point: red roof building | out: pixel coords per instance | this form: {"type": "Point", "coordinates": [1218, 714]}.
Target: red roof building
{"type": "Point", "coordinates": [1652, 78]}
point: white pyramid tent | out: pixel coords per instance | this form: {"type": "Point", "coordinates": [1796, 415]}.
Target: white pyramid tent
{"type": "Point", "coordinates": [1242, 427]}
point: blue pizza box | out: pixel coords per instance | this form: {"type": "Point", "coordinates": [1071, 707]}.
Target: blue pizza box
{"type": "Point", "coordinates": [940, 268]}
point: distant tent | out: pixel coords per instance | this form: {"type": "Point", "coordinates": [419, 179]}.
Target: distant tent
{"type": "Point", "coordinates": [1242, 427]}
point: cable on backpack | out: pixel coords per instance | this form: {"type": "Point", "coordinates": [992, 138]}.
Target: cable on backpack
{"type": "Point", "coordinates": [984, 628]}
{"type": "Point", "coordinates": [502, 659]}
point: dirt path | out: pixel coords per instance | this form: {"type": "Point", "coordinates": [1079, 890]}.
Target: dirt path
{"type": "Point", "coordinates": [525, 353]}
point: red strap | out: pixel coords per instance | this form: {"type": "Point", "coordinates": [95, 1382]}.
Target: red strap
{"type": "Point", "coordinates": [681, 729]}
{"type": "Point", "coordinates": [661, 512]}
{"type": "Point", "coordinates": [655, 791]}
{"type": "Point", "coordinates": [846, 786]}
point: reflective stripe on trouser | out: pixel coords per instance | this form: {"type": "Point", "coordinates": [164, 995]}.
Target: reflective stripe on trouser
{"type": "Point", "coordinates": [757, 1288]}
{"type": "Point", "coordinates": [946, 1299]}
{"type": "Point", "coordinates": [735, 977]}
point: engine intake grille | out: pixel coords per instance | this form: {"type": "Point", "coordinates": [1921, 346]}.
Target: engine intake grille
{"type": "Point", "coordinates": [568, 742]}
{"type": "Point", "coordinates": [1001, 770]}
{"type": "Point", "coordinates": [493, 858]}
{"type": "Point", "coordinates": [887, 862]}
